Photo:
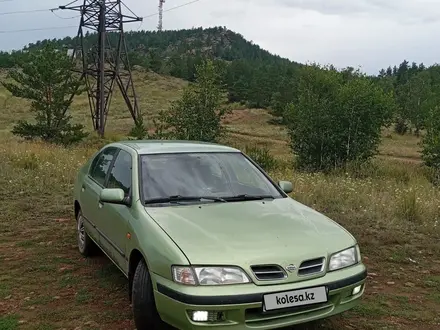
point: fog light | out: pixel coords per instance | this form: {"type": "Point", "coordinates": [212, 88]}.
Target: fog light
{"type": "Point", "coordinates": [200, 316]}
{"type": "Point", "coordinates": [356, 290]}
{"type": "Point", "coordinates": [205, 316]}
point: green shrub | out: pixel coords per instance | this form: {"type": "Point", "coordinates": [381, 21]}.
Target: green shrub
{"type": "Point", "coordinates": [198, 114]}
{"type": "Point", "coordinates": [400, 127]}
{"type": "Point", "coordinates": [46, 79]}
{"type": "Point", "coordinates": [262, 156]}
{"type": "Point", "coordinates": [336, 120]}
{"type": "Point", "coordinates": [431, 141]}
{"type": "Point", "coordinates": [138, 132]}
{"type": "Point", "coordinates": [65, 133]}
{"type": "Point", "coordinates": [432, 175]}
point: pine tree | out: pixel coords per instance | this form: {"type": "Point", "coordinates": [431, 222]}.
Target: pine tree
{"type": "Point", "coordinates": [46, 79]}
{"type": "Point", "coordinates": [198, 114]}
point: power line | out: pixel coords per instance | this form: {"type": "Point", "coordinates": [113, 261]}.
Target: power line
{"type": "Point", "coordinates": [27, 11]}
{"type": "Point", "coordinates": [39, 29]}
{"type": "Point", "coordinates": [54, 9]}
{"type": "Point", "coordinates": [74, 26]}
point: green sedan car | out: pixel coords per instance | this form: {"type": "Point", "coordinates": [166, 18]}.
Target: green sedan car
{"type": "Point", "coordinates": [207, 239]}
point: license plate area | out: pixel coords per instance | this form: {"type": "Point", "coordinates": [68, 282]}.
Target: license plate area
{"type": "Point", "coordinates": [295, 298]}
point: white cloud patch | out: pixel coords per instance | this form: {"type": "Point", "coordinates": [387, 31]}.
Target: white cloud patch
{"type": "Point", "coordinates": [333, 7]}
{"type": "Point", "coordinates": [404, 11]}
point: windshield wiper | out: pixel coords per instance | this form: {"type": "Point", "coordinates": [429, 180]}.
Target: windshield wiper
{"type": "Point", "coordinates": [246, 197]}
{"type": "Point", "coordinates": [179, 198]}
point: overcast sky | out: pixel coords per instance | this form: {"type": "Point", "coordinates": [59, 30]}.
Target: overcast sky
{"type": "Point", "coordinates": [370, 34]}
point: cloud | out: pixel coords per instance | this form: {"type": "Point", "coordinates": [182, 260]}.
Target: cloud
{"type": "Point", "coordinates": [403, 11]}
{"type": "Point", "coordinates": [332, 7]}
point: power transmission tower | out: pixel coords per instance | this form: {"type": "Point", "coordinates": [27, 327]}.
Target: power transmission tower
{"type": "Point", "coordinates": [159, 26]}
{"type": "Point", "coordinates": [105, 59]}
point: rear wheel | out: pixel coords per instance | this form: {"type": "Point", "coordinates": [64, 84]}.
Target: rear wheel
{"type": "Point", "coordinates": [85, 244]}
{"type": "Point", "coordinates": [145, 313]}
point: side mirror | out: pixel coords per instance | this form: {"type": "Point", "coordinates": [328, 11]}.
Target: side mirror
{"type": "Point", "coordinates": [113, 196]}
{"type": "Point", "coordinates": [286, 186]}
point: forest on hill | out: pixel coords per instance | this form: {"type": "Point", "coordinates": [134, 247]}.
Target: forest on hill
{"type": "Point", "coordinates": [253, 76]}
{"type": "Point", "coordinates": [416, 90]}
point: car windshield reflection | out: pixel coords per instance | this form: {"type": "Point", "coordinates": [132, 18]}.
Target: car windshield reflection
{"type": "Point", "coordinates": [203, 177]}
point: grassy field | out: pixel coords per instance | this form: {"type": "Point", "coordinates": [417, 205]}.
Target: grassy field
{"type": "Point", "coordinates": [391, 207]}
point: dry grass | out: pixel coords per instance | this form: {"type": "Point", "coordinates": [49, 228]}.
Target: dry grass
{"type": "Point", "coordinates": [154, 92]}
{"type": "Point", "coordinates": [400, 146]}
{"type": "Point", "coordinates": [391, 207]}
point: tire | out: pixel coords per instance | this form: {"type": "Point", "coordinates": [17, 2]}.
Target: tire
{"type": "Point", "coordinates": [85, 244]}
{"type": "Point", "coordinates": [145, 312]}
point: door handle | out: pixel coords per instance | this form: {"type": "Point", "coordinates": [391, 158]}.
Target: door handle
{"type": "Point", "coordinates": [83, 188]}
{"type": "Point", "coordinates": [100, 205]}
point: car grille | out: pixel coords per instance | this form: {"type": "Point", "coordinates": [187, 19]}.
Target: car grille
{"type": "Point", "coordinates": [310, 267]}
{"type": "Point", "coordinates": [268, 272]}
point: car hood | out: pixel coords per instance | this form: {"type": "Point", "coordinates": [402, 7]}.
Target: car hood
{"type": "Point", "coordinates": [281, 231]}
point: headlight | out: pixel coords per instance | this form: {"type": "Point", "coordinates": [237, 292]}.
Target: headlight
{"type": "Point", "coordinates": [344, 258]}
{"type": "Point", "coordinates": [209, 275]}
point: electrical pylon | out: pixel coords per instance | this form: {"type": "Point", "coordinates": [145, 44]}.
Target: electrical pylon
{"type": "Point", "coordinates": [104, 61]}
{"type": "Point", "coordinates": [159, 26]}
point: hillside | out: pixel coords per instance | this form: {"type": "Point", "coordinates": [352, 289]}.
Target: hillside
{"type": "Point", "coordinates": [252, 75]}
{"type": "Point", "coordinates": [217, 42]}
{"type": "Point", "coordinates": [246, 126]}
{"type": "Point", "coordinates": [155, 93]}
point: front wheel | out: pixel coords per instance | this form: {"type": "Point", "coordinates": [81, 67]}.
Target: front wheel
{"type": "Point", "coordinates": [85, 244]}
{"type": "Point", "coordinates": [145, 313]}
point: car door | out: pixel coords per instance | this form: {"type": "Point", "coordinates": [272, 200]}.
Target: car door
{"type": "Point", "coordinates": [91, 188]}
{"type": "Point", "coordinates": [114, 218]}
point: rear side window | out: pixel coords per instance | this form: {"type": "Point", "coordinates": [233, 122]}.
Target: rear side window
{"type": "Point", "coordinates": [120, 175]}
{"type": "Point", "coordinates": [101, 165]}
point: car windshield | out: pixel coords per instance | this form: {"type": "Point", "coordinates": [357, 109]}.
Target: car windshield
{"type": "Point", "coordinates": [192, 176]}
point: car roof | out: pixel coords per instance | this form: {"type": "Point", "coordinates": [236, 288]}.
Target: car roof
{"type": "Point", "coordinates": [144, 147]}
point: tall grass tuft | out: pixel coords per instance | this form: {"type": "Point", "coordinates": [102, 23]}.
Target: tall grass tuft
{"type": "Point", "coordinates": [408, 208]}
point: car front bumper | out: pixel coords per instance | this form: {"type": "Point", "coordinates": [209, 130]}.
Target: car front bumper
{"type": "Point", "coordinates": [241, 306]}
